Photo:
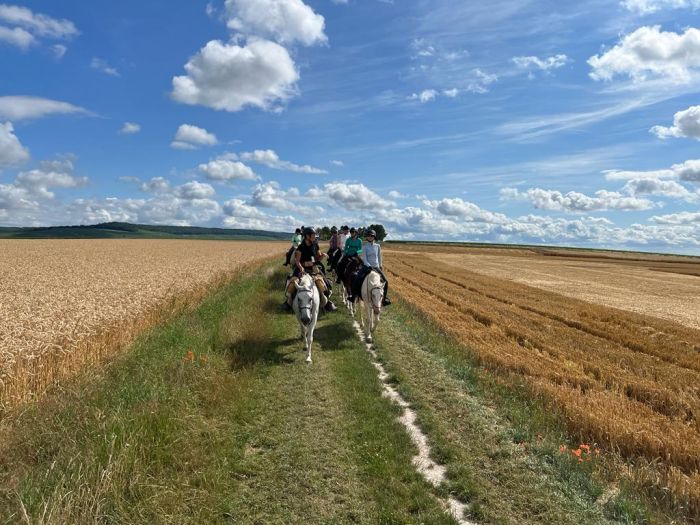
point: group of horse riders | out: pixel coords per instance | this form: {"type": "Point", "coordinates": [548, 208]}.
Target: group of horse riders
{"type": "Point", "coordinates": [351, 259]}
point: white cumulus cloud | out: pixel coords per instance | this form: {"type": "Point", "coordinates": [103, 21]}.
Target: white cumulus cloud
{"type": "Point", "coordinates": [194, 190]}
{"type": "Point", "coordinates": [271, 195]}
{"type": "Point", "coordinates": [684, 217]}
{"type": "Point", "coordinates": [239, 208]}
{"type": "Point", "coordinates": [456, 207]}
{"type": "Point", "coordinates": [650, 52]}
{"type": "Point", "coordinates": [286, 21]}
{"type": "Point", "coordinates": [686, 123]}
{"type": "Point", "coordinates": [427, 95]}
{"type": "Point", "coordinates": [226, 168]}
{"type": "Point", "coordinates": [543, 64]}
{"type": "Point", "coordinates": [271, 159]}
{"type": "Point", "coordinates": [230, 77]}
{"type": "Point", "coordinates": [575, 202]}
{"type": "Point", "coordinates": [12, 153]}
{"type": "Point", "coordinates": [193, 137]}
{"type": "Point", "coordinates": [663, 188]}
{"type": "Point", "coordinates": [350, 196]}
{"type": "Point", "coordinates": [30, 197]}
{"type": "Point", "coordinates": [688, 171]}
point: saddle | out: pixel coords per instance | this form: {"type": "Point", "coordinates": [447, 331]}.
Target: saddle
{"type": "Point", "coordinates": [319, 280]}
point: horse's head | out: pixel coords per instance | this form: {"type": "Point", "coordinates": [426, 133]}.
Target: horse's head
{"type": "Point", "coordinates": [376, 292]}
{"type": "Point", "coordinates": [305, 299]}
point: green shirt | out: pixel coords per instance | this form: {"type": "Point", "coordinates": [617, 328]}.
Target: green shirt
{"type": "Point", "coordinates": [353, 247]}
{"type": "Point", "coordinates": [296, 240]}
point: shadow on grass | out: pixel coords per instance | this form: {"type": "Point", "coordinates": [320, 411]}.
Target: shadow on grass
{"type": "Point", "coordinates": [334, 334]}
{"type": "Point", "coordinates": [255, 349]}
{"type": "Point", "coordinates": [276, 281]}
{"type": "Point", "coordinates": [273, 304]}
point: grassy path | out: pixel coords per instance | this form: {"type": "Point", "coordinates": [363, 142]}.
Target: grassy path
{"type": "Point", "coordinates": [500, 446]}
{"type": "Point", "coordinates": [215, 418]}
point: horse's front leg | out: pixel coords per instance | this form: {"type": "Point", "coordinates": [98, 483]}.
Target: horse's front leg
{"type": "Point", "coordinates": [370, 321]}
{"type": "Point", "coordinates": [309, 341]}
{"type": "Point", "coordinates": [375, 320]}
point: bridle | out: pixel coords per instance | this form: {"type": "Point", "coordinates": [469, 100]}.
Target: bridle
{"type": "Point", "coordinates": [370, 290]}
{"type": "Point", "coordinates": [311, 301]}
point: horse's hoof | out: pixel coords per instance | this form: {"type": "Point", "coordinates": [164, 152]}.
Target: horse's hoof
{"type": "Point", "coordinates": [308, 360]}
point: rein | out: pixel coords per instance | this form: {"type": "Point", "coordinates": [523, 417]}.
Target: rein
{"type": "Point", "coordinates": [370, 290]}
{"type": "Point", "coordinates": [311, 303]}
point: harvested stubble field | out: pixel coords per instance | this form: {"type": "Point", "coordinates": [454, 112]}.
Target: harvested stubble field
{"type": "Point", "coordinates": [612, 341]}
{"type": "Point", "coordinates": [65, 304]}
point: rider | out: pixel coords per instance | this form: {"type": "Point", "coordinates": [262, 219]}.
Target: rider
{"type": "Point", "coordinates": [342, 237]}
{"type": "Point", "coordinates": [352, 249]}
{"type": "Point", "coordinates": [333, 247]}
{"type": "Point", "coordinates": [306, 258]}
{"type": "Point", "coordinates": [372, 260]}
{"type": "Point", "coordinates": [296, 241]}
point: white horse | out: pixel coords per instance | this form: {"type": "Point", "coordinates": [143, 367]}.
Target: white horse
{"type": "Point", "coordinates": [372, 297]}
{"type": "Point", "coordinates": [306, 305]}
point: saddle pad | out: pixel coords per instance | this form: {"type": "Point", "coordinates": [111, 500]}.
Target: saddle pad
{"type": "Point", "coordinates": [320, 282]}
{"type": "Point", "coordinates": [291, 285]}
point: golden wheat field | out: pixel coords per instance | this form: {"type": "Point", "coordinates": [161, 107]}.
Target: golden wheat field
{"type": "Point", "coordinates": [68, 303]}
{"type": "Point", "coordinates": [611, 340]}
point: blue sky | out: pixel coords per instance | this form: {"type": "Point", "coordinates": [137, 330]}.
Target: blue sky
{"type": "Point", "coordinates": [530, 121]}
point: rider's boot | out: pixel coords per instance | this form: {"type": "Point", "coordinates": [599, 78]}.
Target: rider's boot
{"type": "Point", "coordinates": [386, 302]}
{"type": "Point", "coordinates": [330, 307]}
{"type": "Point", "coordinates": [287, 304]}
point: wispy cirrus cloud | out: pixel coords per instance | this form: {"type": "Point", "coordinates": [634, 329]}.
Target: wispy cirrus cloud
{"type": "Point", "coordinates": [23, 28]}
{"type": "Point", "coordinates": [17, 108]}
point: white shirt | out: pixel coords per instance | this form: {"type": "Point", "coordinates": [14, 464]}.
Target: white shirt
{"type": "Point", "coordinates": [343, 237]}
{"type": "Point", "coordinates": [372, 254]}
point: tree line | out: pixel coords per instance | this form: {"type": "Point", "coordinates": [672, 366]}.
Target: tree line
{"type": "Point", "coordinates": [324, 232]}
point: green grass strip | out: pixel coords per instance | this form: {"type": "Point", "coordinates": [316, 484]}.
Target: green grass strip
{"type": "Point", "coordinates": [499, 443]}
{"type": "Point", "coordinates": [215, 418]}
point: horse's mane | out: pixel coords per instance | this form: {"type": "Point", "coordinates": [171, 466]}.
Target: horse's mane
{"type": "Point", "coordinates": [304, 277]}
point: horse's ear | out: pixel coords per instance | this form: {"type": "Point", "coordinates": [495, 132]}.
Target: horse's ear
{"type": "Point", "coordinates": [296, 283]}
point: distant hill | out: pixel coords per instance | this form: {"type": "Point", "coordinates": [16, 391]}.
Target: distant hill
{"type": "Point", "coordinates": [125, 230]}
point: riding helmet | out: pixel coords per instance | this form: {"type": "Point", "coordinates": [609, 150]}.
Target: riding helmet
{"type": "Point", "coordinates": [309, 231]}
{"type": "Point", "coordinates": [370, 232]}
